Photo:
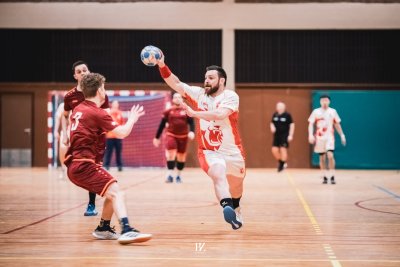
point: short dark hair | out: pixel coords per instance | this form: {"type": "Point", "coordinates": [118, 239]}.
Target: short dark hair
{"type": "Point", "coordinates": [325, 96]}
{"type": "Point", "coordinates": [79, 62]}
{"type": "Point", "coordinates": [220, 70]}
{"type": "Point", "coordinates": [90, 83]}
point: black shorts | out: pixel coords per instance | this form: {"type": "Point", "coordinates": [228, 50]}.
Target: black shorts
{"type": "Point", "coordinates": [280, 141]}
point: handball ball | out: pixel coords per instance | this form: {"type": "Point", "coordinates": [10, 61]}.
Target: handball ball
{"type": "Point", "coordinates": [150, 55]}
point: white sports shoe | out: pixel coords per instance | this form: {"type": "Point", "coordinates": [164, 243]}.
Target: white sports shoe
{"type": "Point", "coordinates": [133, 237]}
{"type": "Point", "coordinates": [239, 215]}
{"type": "Point", "coordinates": [108, 234]}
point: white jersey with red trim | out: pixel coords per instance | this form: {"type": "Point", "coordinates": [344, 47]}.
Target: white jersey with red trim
{"type": "Point", "coordinates": [217, 135]}
{"type": "Point", "coordinates": [324, 119]}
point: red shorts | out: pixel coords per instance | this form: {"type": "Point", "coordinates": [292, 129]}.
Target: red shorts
{"type": "Point", "coordinates": [178, 143]}
{"type": "Point", "coordinates": [90, 176]}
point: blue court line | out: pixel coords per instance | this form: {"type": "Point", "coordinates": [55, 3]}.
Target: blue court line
{"type": "Point", "coordinates": [397, 197]}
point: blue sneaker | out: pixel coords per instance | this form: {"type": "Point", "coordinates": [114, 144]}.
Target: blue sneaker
{"type": "Point", "coordinates": [170, 179]}
{"type": "Point", "coordinates": [178, 179]}
{"type": "Point", "coordinates": [231, 218]}
{"type": "Point", "coordinates": [90, 210]}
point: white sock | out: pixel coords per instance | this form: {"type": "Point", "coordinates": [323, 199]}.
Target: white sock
{"type": "Point", "coordinates": [170, 172]}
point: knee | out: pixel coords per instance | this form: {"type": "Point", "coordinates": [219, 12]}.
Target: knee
{"type": "Point", "coordinates": [114, 192]}
{"type": "Point", "coordinates": [330, 156]}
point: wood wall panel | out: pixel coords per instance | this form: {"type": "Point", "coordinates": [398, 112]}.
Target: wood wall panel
{"type": "Point", "coordinates": [256, 109]}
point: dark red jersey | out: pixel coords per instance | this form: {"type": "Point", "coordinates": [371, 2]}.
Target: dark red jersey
{"type": "Point", "coordinates": [74, 97]}
{"type": "Point", "coordinates": [177, 120]}
{"type": "Point", "coordinates": [89, 125]}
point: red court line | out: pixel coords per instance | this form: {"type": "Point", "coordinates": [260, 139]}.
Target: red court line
{"type": "Point", "coordinates": [67, 210]}
{"type": "Point", "coordinates": [44, 219]}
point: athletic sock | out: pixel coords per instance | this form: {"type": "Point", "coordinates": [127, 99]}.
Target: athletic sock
{"type": "Point", "coordinates": [180, 165]}
{"type": "Point", "coordinates": [104, 224]}
{"type": "Point", "coordinates": [170, 166]}
{"type": "Point", "coordinates": [226, 202]}
{"type": "Point", "coordinates": [281, 165]}
{"type": "Point", "coordinates": [235, 202]}
{"type": "Point", "coordinates": [125, 227]}
{"type": "Point", "coordinates": [92, 198]}
{"type": "Point", "coordinates": [331, 173]}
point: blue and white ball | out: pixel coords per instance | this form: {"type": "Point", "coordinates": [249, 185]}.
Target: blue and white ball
{"type": "Point", "coordinates": [150, 55]}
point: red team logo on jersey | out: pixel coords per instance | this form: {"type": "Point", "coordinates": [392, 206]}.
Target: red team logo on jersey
{"type": "Point", "coordinates": [212, 137]}
{"type": "Point", "coordinates": [322, 127]}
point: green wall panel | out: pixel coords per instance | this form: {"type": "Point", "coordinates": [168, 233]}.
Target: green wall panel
{"type": "Point", "coordinates": [371, 123]}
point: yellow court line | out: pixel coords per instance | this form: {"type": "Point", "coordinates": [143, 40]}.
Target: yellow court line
{"type": "Point", "coordinates": [303, 202]}
{"type": "Point", "coordinates": [307, 209]}
{"type": "Point", "coordinates": [331, 255]}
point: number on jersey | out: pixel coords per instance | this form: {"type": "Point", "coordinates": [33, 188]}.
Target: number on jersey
{"type": "Point", "coordinates": [76, 118]}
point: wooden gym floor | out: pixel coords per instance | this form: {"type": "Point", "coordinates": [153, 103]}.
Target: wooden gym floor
{"type": "Point", "coordinates": [290, 219]}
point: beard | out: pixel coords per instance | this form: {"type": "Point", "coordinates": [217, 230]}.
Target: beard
{"type": "Point", "coordinates": [211, 89]}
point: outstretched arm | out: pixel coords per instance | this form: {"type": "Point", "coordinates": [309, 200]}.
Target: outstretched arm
{"type": "Point", "coordinates": [170, 78]}
{"type": "Point", "coordinates": [123, 131]}
{"type": "Point", "coordinates": [218, 114]}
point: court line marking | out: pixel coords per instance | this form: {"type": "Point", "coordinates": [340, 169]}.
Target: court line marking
{"type": "Point", "coordinates": [42, 220]}
{"type": "Point", "coordinates": [327, 247]}
{"type": "Point", "coordinates": [198, 259]}
{"type": "Point", "coordinates": [387, 191]}
{"type": "Point", "coordinates": [67, 210]}
{"type": "Point", "coordinates": [358, 204]}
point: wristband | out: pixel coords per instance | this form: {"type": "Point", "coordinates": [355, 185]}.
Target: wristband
{"type": "Point", "coordinates": [165, 72]}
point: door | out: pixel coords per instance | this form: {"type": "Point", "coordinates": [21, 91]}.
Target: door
{"type": "Point", "coordinates": [16, 127]}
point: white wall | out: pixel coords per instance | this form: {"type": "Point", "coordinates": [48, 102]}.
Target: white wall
{"type": "Point", "coordinates": [175, 15]}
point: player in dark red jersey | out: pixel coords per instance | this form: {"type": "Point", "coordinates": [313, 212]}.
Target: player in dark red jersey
{"type": "Point", "coordinates": [176, 121]}
{"type": "Point", "coordinates": [71, 99]}
{"type": "Point", "coordinates": [89, 124]}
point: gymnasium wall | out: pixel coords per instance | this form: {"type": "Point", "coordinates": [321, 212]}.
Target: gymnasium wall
{"type": "Point", "coordinates": [317, 56]}
{"type": "Point", "coordinates": [47, 55]}
{"type": "Point", "coordinates": [256, 108]}
{"type": "Point", "coordinates": [225, 15]}
{"type": "Point", "coordinates": [28, 59]}
{"type": "Point", "coordinates": [370, 121]}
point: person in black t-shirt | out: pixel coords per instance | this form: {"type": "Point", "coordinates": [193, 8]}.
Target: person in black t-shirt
{"type": "Point", "coordinates": [282, 126]}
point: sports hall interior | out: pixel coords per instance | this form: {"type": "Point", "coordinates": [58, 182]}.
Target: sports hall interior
{"type": "Point", "coordinates": [272, 50]}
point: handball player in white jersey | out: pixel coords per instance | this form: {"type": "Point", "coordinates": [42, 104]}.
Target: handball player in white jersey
{"type": "Point", "coordinates": [325, 120]}
{"type": "Point", "coordinates": [220, 149]}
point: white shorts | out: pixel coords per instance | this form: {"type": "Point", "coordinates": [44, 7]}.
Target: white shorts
{"type": "Point", "coordinates": [234, 164]}
{"type": "Point", "coordinates": [324, 145]}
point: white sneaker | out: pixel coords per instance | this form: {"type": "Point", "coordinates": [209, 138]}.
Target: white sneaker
{"type": "Point", "coordinates": [108, 234]}
{"type": "Point", "coordinates": [239, 215]}
{"type": "Point", "coordinates": [133, 237]}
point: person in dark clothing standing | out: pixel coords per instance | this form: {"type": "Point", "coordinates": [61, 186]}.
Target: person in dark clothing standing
{"type": "Point", "coordinates": [282, 126]}
{"type": "Point", "coordinates": [112, 140]}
